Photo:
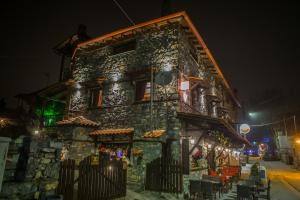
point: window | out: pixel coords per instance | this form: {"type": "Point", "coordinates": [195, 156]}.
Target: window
{"type": "Point", "coordinates": [95, 97]}
{"type": "Point", "coordinates": [124, 46]}
{"type": "Point", "coordinates": [143, 90]}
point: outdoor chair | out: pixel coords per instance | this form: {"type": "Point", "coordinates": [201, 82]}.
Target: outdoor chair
{"type": "Point", "coordinates": [195, 190]}
{"type": "Point", "coordinates": [208, 190]}
{"type": "Point", "coordinates": [267, 194]}
{"type": "Point", "coordinates": [220, 187]}
{"type": "Point", "coordinates": [244, 193]}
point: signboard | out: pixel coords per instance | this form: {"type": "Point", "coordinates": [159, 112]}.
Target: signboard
{"type": "Point", "coordinates": [185, 85]}
{"type": "Point", "coordinates": [244, 128]}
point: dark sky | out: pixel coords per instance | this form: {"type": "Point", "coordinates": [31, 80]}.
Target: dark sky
{"type": "Point", "coordinates": [255, 44]}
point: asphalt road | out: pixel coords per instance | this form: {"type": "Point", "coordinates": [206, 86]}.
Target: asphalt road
{"type": "Point", "coordinates": [285, 181]}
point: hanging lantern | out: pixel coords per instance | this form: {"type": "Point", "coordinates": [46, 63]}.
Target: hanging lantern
{"type": "Point", "coordinates": [119, 153]}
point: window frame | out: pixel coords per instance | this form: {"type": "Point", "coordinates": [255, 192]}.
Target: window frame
{"type": "Point", "coordinates": [92, 91]}
{"type": "Point", "coordinates": [146, 81]}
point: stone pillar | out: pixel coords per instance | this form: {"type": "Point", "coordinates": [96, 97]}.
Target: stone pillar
{"type": "Point", "coordinates": [4, 143]}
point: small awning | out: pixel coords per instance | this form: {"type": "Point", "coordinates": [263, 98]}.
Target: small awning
{"type": "Point", "coordinates": [120, 131]}
{"type": "Point", "coordinates": [154, 133]}
{"type": "Point", "coordinates": [77, 121]}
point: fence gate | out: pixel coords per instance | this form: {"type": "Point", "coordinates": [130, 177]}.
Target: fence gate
{"type": "Point", "coordinates": [105, 180]}
{"type": "Point", "coordinates": [164, 175]}
{"type": "Point", "coordinates": [102, 180]}
{"type": "Point", "coordinates": [66, 179]}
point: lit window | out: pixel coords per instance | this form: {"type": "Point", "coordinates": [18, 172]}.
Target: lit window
{"type": "Point", "coordinates": [95, 97]}
{"type": "Point", "coordinates": [143, 91]}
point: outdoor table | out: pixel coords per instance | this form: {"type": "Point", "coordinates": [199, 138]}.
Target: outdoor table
{"type": "Point", "coordinates": [247, 183]}
{"type": "Point", "coordinates": [217, 185]}
{"type": "Point", "coordinates": [251, 184]}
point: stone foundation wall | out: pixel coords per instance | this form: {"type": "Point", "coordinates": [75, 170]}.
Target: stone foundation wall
{"type": "Point", "coordinates": [35, 172]}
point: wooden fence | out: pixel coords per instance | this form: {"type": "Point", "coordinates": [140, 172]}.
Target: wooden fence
{"type": "Point", "coordinates": [164, 175]}
{"type": "Point", "coordinates": [102, 180]}
{"type": "Point", "coordinates": [66, 179]}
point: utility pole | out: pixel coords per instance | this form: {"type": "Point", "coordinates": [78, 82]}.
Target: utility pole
{"type": "Point", "coordinates": [285, 130]}
{"type": "Point", "coordinates": [295, 124]}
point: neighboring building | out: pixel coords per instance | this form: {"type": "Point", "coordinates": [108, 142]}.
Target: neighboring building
{"type": "Point", "coordinates": [147, 91]}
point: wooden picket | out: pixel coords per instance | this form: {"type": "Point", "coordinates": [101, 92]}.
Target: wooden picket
{"type": "Point", "coordinates": [164, 175]}
{"type": "Point", "coordinates": [106, 180]}
{"type": "Point", "coordinates": [66, 179]}
{"type": "Point", "coordinates": [96, 181]}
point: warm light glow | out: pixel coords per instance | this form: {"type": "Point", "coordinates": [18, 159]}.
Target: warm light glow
{"type": "Point", "coordinates": [167, 67]}
{"type": "Point", "coordinates": [77, 86]}
{"type": "Point", "coordinates": [185, 97]}
{"type": "Point", "coordinates": [209, 145]}
{"type": "Point", "coordinates": [36, 132]}
{"type": "Point", "coordinates": [297, 141]}
{"type": "Point", "coordinates": [192, 141]}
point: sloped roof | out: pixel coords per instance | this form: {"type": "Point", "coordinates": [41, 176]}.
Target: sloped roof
{"type": "Point", "coordinates": [77, 121]}
{"type": "Point", "coordinates": [154, 134]}
{"type": "Point", "coordinates": [119, 131]}
{"type": "Point", "coordinates": [179, 16]}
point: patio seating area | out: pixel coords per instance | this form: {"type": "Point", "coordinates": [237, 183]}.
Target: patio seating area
{"type": "Point", "coordinates": [228, 185]}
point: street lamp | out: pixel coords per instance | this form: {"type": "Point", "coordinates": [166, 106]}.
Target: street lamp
{"type": "Point", "coordinates": [251, 114]}
{"type": "Point", "coordinates": [297, 140]}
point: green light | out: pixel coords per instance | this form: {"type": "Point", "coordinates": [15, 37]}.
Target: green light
{"type": "Point", "coordinates": [52, 112]}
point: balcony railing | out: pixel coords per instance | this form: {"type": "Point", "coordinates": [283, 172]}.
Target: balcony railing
{"type": "Point", "coordinates": [186, 108]}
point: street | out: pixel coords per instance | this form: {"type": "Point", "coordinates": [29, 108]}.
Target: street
{"type": "Point", "coordinates": [285, 182]}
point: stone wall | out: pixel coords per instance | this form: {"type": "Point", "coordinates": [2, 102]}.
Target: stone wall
{"type": "Point", "coordinates": [32, 170]}
{"type": "Point", "coordinates": [154, 48]}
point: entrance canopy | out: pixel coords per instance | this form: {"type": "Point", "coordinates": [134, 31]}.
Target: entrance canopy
{"type": "Point", "coordinates": [154, 134]}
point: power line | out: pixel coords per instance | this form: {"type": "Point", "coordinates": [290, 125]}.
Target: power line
{"type": "Point", "coordinates": [270, 123]}
{"type": "Point", "coordinates": [124, 12]}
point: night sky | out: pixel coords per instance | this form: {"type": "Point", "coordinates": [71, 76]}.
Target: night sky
{"type": "Point", "coordinates": [255, 44]}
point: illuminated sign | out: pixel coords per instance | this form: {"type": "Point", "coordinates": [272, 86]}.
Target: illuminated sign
{"type": "Point", "coordinates": [244, 128]}
{"type": "Point", "coordinates": [185, 85]}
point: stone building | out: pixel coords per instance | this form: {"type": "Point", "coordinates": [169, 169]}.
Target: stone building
{"type": "Point", "coordinates": [147, 91]}
{"type": "Point", "coordinates": [155, 90]}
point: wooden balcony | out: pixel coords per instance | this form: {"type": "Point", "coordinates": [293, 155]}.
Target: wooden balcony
{"type": "Point", "coordinates": [193, 116]}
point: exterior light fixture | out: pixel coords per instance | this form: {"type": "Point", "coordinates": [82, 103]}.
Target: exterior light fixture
{"type": "Point", "coordinates": [167, 67]}
{"type": "Point", "coordinates": [209, 145]}
{"type": "Point", "coordinates": [192, 141]}
{"type": "Point", "coordinates": [297, 140]}
{"type": "Point", "coordinates": [110, 168]}
{"type": "Point", "coordinates": [219, 148]}
{"type": "Point", "coordinates": [77, 86]}
{"type": "Point", "coordinates": [36, 132]}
